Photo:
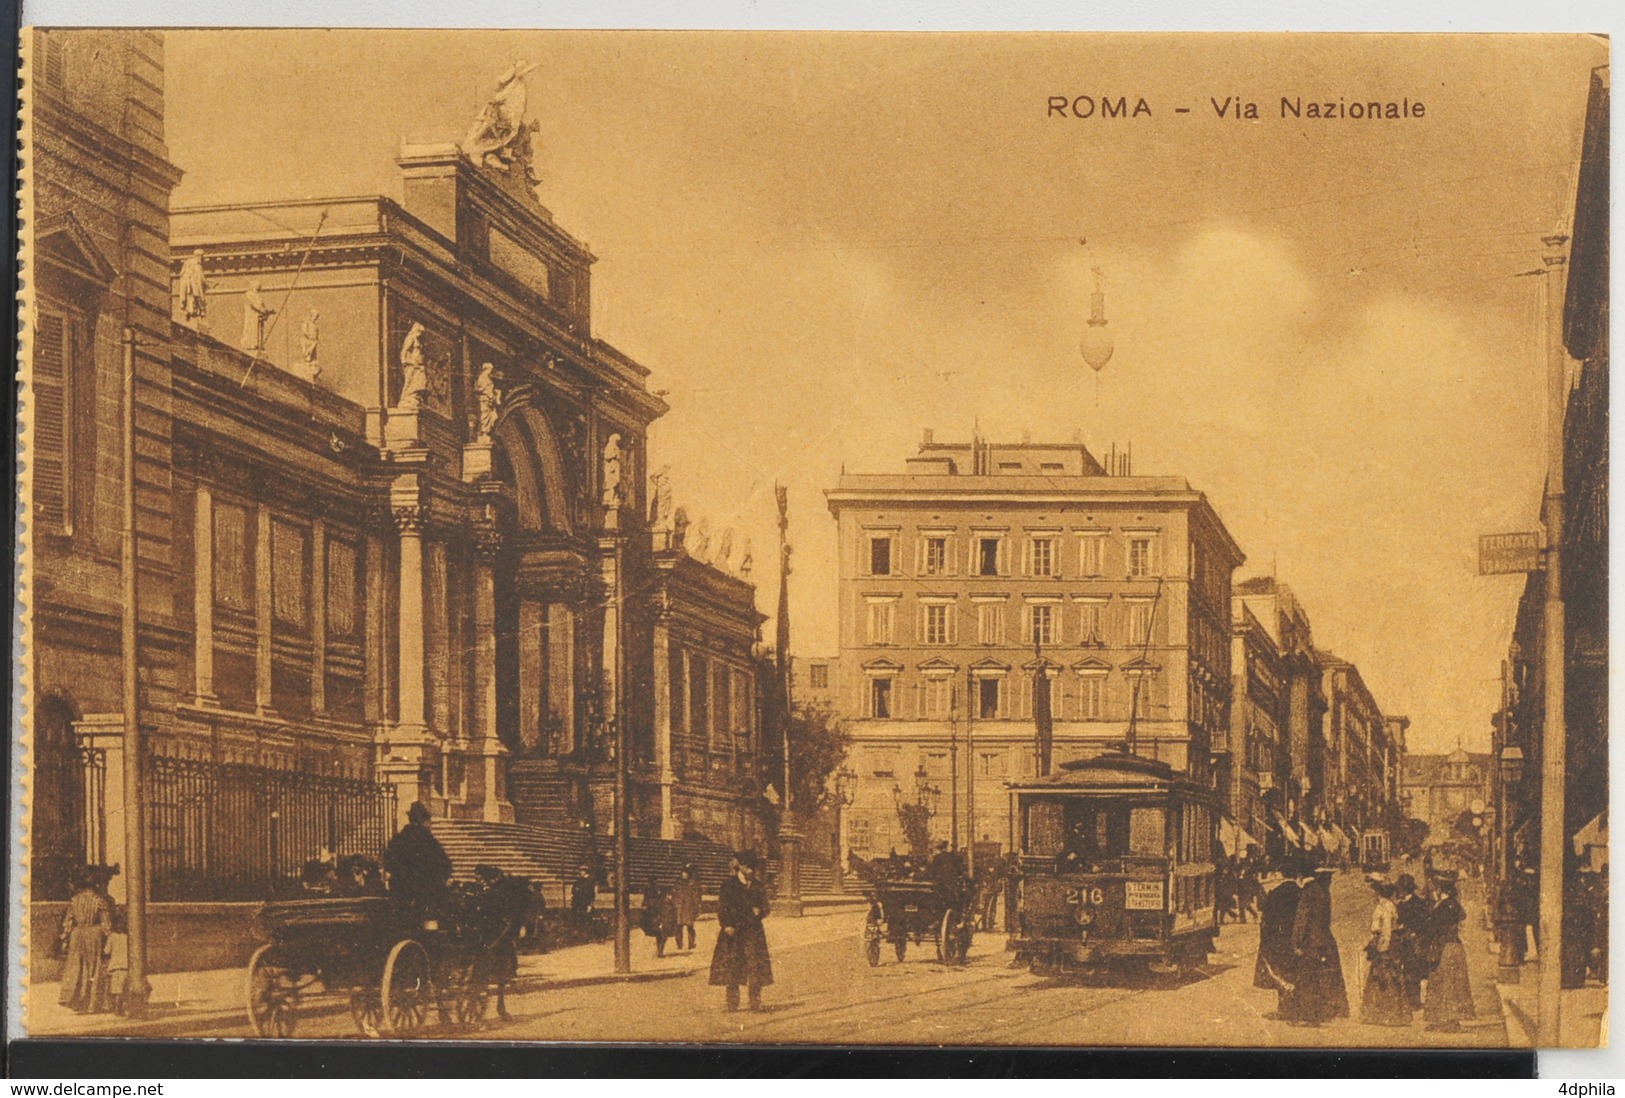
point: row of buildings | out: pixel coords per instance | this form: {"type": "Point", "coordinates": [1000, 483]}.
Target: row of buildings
{"type": "Point", "coordinates": [400, 535]}
{"type": "Point", "coordinates": [988, 583]}
{"type": "Point", "coordinates": [1575, 503]}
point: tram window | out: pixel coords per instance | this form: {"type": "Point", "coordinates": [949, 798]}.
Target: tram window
{"type": "Point", "coordinates": [1147, 832]}
{"type": "Point", "coordinates": [1046, 828]}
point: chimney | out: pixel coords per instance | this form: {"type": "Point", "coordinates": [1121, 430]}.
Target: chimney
{"type": "Point", "coordinates": [1026, 438]}
{"type": "Point", "coordinates": [926, 441]}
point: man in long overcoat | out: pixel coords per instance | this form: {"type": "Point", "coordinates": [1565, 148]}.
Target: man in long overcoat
{"type": "Point", "coordinates": [1320, 995]}
{"type": "Point", "coordinates": [741, 956]}
{"type": "Point", "coordinates": [1408, 929]}
{"type": "Point", "coordinates": [1277, 914]}
{"type": "Point", "coordinates": [685, 899]}
{"type": "Point", "coordinates": [417, 864]}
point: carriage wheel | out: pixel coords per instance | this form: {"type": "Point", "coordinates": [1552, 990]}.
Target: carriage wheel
{"type": "Point", "coordinates": [366, 1011]}
{"type": "Point", "coordinates": [901, 946]}
{"type": "Point", "coordinates": [273, 998]}
{"type": "Point", "coordinates": [871, 950]}
{"type": "Point", "coordinates": [408, 989]}
{"type": "Point", "coordinates": [466, 995]}
{"type": "Point", "coordinates": [944, 928]}
{"type": "Point", "coordinates": [954, 938]}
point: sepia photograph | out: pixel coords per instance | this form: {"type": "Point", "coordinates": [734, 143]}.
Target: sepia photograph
{"type": "Point", "coordinates": [723, 538]}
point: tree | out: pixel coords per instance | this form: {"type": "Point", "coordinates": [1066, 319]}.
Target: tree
{"type": "Point", "coordinates": [818, 744]}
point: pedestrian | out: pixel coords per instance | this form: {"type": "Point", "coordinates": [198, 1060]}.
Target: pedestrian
{"type": "Point", "coordinates": [417, 864]}
{"type": "Point", "coordinates": [685, 900]}
{"type": "Point", "coordinates": [1449, 994]}
{"type": "Point", "coordinates": [1383, 1001]}
{"type": "Point", "coordinates": [658, 918]}
{"type": "Point", "coordinates": [1275, 966]}
{"type": "Point", "coordinates": [1410, 912]}
{"type": "Point", "coordinates": [1320, 995]}
{"type": "Point", "coordinates": [741, 955]}
{"type": "Point", "coordinates": [583, 894]}
{"type": "Point", "coordinates": [83, 942]}
{"type": "Point", "coordinates": [118, 964]}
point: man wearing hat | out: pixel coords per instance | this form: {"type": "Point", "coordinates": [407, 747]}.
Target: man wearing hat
{"type": "Point", "coordinates": [1278, 911]}
{"type": "Point", "coordinates": [741, 955]}
{"type": "Point", "coordinates": [1410, 922]}
{"type": "Point", "coordinates": [685, 898]}
{"type": "Point", "coordinates": [1320, 995]}
{"type": "Point", "coordinates": [417, 864]}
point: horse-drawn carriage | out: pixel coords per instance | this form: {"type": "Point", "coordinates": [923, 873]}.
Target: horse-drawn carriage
{"type": "Point", "coordinates": [394, 961]}
{"type": "Point", "coordinates": [909, 903]}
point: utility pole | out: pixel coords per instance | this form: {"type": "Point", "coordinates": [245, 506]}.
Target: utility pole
{"type": "Point", "coordinates": [789, 890]}
{"type": "Point", "coordinates": [953, 766]}
{"type": "Point", "coordinates": [1554, 738]}
{"type": "Point", "coordinates": [970, 779]}
{"type": "Point", "coordinates": [610, 546]}
{"type": "Point", "coordinates": [135, 806]}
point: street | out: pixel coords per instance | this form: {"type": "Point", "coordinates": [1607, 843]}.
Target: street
{"type": "Point", "coordinates": [826, 993]}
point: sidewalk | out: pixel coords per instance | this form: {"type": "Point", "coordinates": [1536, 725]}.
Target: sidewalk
{"type": "Point", "coordinates": [214, 1001]}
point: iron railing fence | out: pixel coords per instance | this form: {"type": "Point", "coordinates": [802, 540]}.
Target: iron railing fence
{"type": "Point", "coordinates": [235, 831]}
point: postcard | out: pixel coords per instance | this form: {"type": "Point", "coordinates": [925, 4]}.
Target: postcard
{"type": "Point", "coordinates": [1043, 539]}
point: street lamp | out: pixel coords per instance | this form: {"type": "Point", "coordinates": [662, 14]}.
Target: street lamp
{"type": "Point", "coordinates": [845, 794]}
{"type": "Point", "coordinates": [1509, 922]}
{"type": "Point", "coordinates": [1511, 765]}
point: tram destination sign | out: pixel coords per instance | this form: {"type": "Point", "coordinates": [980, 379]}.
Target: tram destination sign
{"type": "Point", "coordinates": [1500, 554]}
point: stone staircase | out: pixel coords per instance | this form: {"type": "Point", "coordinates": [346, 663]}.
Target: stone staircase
{"type": "Point", "coordinates": [539, 795]}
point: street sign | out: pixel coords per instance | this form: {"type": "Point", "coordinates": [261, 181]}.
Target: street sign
{"type": "Point", "coordinates": [1500, 554]}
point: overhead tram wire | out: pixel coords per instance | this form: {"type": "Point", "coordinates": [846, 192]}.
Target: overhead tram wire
{"type": "Point", "coordinates": [277, 316]}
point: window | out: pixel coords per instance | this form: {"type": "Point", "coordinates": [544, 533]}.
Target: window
{"type": "Point", "coordinates": [55, 62]}
{"type": "Point", "coordinates": [936, 556]}
{"type": "Point", "coordinates": [1042, 685]}
{"type": "Point", "coordinates": [1043, 559]}
{"type": "Point", "coordinates": [987, 699]}
{"type": "Point", "coordinates": [1009, 466]}
{"type": "Point", "coordinates": [936, 696]}
{"type": "Point", "coordinates": [1141, 684]}
{"type": "Point", "coordinates": [987, 556]}
{"type": "Point", "coordinates": [1139, 622]}
{"type": "Point", "coordinates": [1091, 553]}
{"type": "Point", "coordinates": [341, 561]}
{"type": "Point", "coordinates": [1092, 695]}
{"type": "Point", "coordinates": [53, 421]}
{"type": "Point", "coordinates": [233, 558]}
{"type": "Point", "coordinates": [880, 698]}
{"type": "Point", "coordinates": [1139, 556]}
{"type": "Point", "coordinates": [818, 676]}
{"type": "Point", "coordinates": [1041, 624]}
{"type": "Point", "coordinates": [1092, 629]}
{"type": "Point", "coordinates": [880, 620]}
{"type": "Point", "coordinates": [880, 556]}
{"type": "Point", "coordinates": [1051, 468]}
{"type": "Point", "coordinates": [724, 707]}
{"type": "Point", "coordinates": [937, 623]}
{"type": "Point", "coordinates": [288, 584]}
{"type": "Point", "coordinates": [990, 622]}
{"type": "Point", "coordinates": [699, 699]}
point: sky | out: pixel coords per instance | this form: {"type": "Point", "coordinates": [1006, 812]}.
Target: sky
{"type": "Point", "coordinates": [823, 244]}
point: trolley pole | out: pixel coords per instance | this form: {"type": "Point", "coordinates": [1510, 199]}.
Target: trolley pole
{"type": "Point", "coordinates": [1554, 740]}
{"type": "Point", "coordinates": [135, 809]}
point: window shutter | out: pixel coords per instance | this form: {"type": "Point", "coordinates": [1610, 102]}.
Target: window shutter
{"type": "Point", "coordinates": [50, 456]}
{"type": "Point", "coordinates": [919, 554]}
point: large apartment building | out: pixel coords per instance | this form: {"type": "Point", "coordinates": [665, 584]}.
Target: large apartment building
{"type": "Point", "coordinates": [986, 572]}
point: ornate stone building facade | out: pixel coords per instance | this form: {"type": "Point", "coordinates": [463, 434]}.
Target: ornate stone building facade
{"type": "Point", "coordinates": [395, 524]}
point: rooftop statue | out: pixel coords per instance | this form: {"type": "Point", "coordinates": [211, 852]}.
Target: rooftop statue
{"type": "Point", "coordinates": [414, 373]}
{"type": "Point", "coordinates": [500, 136]}
{"type": "Point", "coordinates": [193, 288]}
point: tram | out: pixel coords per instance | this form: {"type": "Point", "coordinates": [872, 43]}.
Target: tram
{"type": "Point", "coordinates": [1117, 866]}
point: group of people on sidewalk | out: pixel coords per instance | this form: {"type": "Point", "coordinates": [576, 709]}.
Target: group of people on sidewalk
{"type": "Point", "coordinates": [741, 957]}
{"type": "Point", "coordinates": [1415, 940]}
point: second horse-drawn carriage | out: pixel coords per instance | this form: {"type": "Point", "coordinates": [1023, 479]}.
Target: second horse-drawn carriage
{"type": "Point", "coordinates": [395, 963]}
{"type": "Point", "coordinates": [909, 903]}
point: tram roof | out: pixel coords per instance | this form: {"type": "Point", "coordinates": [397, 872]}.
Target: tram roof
{"type": "Point", "coordinates": [1113, 772]}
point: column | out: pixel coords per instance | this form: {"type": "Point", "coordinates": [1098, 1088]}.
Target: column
{"type": "Point", "coordinates": [263, 613]}
{"type": "Point", "coordinates": [318, 617]}
{"type": "Point", "coordinates": [662, 700]}
{"type": "Point", "coordinates": [561, 669]}
{"type": "Point", "coordinates": [203, 597]}
{"type": "Point", "coordinates": [409, 521]}
{"type": "Point", "coordinates": [532, 668]}
{"type": "Point", "coordinates": [375, 643]}
{"type": "Point", "coordinates": [486, 772]}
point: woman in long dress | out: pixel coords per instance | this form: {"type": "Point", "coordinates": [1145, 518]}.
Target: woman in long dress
{"type": "Point", "coordinates": [1383, 1002]}
{"type": "Point", "coordinates": [85, 927]}
{"type": "Point", "coordinates": [1449, 998]}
